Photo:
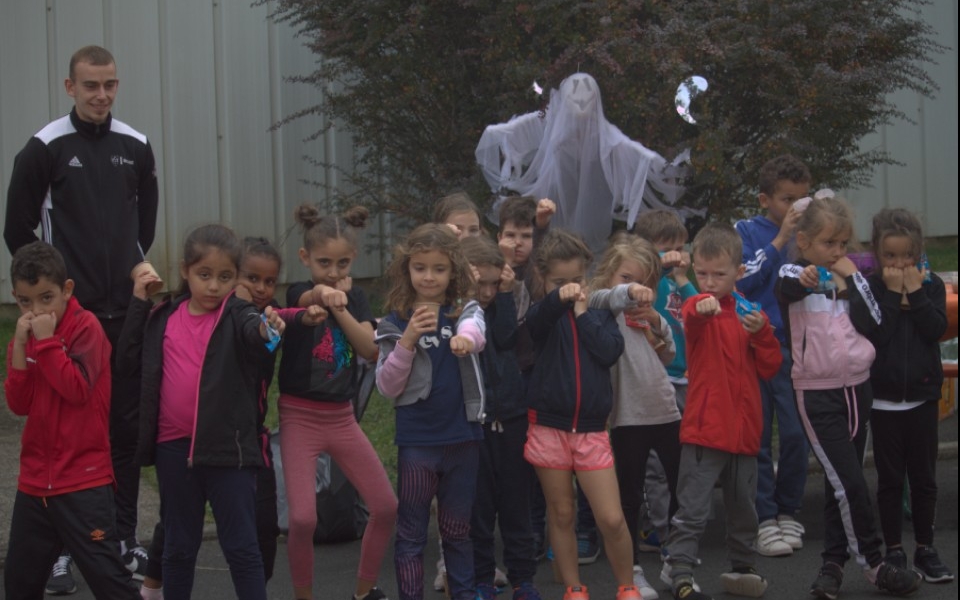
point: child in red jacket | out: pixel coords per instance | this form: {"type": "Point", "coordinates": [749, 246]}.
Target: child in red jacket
{"type": "Point", "coordinates": [58, 376]}
{"type": "Point", "coordinates": [723, 420]}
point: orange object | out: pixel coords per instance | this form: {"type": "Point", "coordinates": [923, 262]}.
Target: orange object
{"type": "Point", "coordinates": [951, 317]}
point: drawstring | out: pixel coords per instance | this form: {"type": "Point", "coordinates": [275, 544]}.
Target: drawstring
{"type": "Point", "coordinates": [853, 414]}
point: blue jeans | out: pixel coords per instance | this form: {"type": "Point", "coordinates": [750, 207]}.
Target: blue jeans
{"type": "Point", "coordinates": [449, 473]}
{"type": "Point", "coordinates": [184, 493]}
{"type": "Point", "coordinates": [781, 493]}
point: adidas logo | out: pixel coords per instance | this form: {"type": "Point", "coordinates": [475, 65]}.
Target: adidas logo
{"type": "Point", "coordinates": [75, 162]}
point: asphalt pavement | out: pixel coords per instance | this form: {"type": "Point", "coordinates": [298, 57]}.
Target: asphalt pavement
{"type": "Point", "coordinates": [335, 565]}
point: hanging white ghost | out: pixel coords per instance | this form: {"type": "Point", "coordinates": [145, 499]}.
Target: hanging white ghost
{"type": "Point", "coordinates": [575, 157]}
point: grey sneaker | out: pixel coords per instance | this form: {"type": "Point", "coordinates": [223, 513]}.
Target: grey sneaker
{"type": "Point", "coordinates": [744, 581]}
{"type": "Point", "coordinates": [899, 582]}
{"type": "Point", "coordinates": [61, 582]}
{"type": "Point", "coordinates": [828, 581]}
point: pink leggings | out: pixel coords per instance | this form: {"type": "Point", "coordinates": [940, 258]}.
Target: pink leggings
{"type": "Point", "coordinates": [307, 432]}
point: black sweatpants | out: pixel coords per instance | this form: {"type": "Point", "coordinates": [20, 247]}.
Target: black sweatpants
{"type": "Point", "coordinates": [836, 423]}
{"type": "Point", "coordinates": [81, 522]}
{"type": "Point", "coordinates": [631, 447]}
{"type": "Point", "coordinates": [503, 495]}
{"type": "Point", "coordinates": [905, 445]}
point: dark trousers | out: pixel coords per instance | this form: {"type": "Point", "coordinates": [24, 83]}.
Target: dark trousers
{"type": "Point", "coordinates": [184, 493]}
{"type": "Point", "coordinates": [631, 447]}
{"type": "Point", "coordinates": [84, 524]}
{"type": "Point", "coordinates": [836, 423]}
{"type": "Point", "coordinates": [503, 497]}
{"type": "Point", "coordinates": [267, 528]}
{"type": "Point", "coordinates": [905, 446]}
{"type": "Point", "coordinates": [450, 473]}
{"type": "Point", "coordinates": [124, 429]}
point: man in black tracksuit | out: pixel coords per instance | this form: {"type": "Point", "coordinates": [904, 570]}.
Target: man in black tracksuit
{"type": "Point", "coordinates": [90, 182]}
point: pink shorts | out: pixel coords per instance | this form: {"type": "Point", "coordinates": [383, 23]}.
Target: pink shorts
{"type": "Point", "coordinates": [550, 448]}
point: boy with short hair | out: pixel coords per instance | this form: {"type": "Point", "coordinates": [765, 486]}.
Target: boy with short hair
{"type": "Point", "coordinates": [58, 376]}
{"type": "Point", "coordinates": [783, 180]}
{"type": "Point", "coordinates": [504, 477]}
{"type": "Point", "coordinates": [721, 427]}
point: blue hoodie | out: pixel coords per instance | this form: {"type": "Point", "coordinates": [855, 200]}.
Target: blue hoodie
{"type": "Point", "coordinates": [763, 262]}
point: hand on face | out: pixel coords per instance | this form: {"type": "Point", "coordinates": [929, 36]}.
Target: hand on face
{"type": "Point", "coordinates": [912, 278]}
{"type": "Point", "coordinates": [893, 278]}
{"type": "Point", "coordinates": [241, 291]}
{"type": "Point", "coordinates": [43, 325]}
{"type": "Point", "coordinates": [24, 327]}
{"type": "Point", "coordinates": [573, 292]}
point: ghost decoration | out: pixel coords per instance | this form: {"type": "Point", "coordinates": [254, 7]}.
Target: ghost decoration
{"type": "Point", "coordinates": [586, 165]}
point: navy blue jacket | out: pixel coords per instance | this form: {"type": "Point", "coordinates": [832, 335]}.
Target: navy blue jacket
{"type": "Point", "coordinates": [570, 388]}
{"type": "Point", "coordinates": [506, 397]}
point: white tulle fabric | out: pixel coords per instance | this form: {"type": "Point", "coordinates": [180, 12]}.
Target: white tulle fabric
{"type": "Point", "coordinates": [585, 164]}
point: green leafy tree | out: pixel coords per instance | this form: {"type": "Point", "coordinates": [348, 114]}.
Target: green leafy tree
{"type": "Point", "coordinates": [416, 82]}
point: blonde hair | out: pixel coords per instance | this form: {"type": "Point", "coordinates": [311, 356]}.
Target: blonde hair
{"type": "Point", "coordinates": [426, 238]}
{"type": "Point", "coordinates": [628, 247]}
{"type": "Point", "coordinates": [823, 212]}
{"type": "Point", "coordinates": [718, 239]}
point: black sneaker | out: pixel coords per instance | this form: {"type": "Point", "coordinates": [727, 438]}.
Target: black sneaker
{"type": "Point", "coordinates": [927, 562]}
{"type": "Point", "coordinates": [828, 581]}
{"type": "Point", "coordinates": [684, 590]}
{"type": "Point", "coordinates": [135, 559]}
{"type": "Point", "coordinates": [588, 550]}
{"type": "Point", "coordinates": [375, 593]}
{"type": "Point", "coordinates": [899, 582]}
{"type": "Point", "coordinates": [896, 557]}
{"type": "Point", "coordinates": [61, 582]}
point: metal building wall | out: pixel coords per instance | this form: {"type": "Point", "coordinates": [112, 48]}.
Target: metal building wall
{"type": "Point", "coordinates": [204, 80]}
{"type": "Point", "coordinates": [926, 181]}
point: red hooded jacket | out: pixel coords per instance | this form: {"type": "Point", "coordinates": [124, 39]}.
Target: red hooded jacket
{"type": "Point", "coordinates": [65, 395]}
{"type": "Point", "coordinates": [723, 399]}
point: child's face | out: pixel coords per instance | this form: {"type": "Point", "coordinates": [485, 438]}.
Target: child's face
{"type": "Point", "coordinates": [43, 297]}
{"type": "Point", "coordinates": [210, 280]}
{"type": "Point", "coordinates": [561, 272]}
{"type": "Point", "coordinates": [467, 222]}
{"type": "Point", "coordinates": [259, 275]}
{"type": "Point", "coordinates": [430, 274]}
{"type": "Point", "coordinates": [717, 275]}
{"type": "Point", "coordinates": [785, 193]}
{"type": "Point", "coordinates": [825, 248]}
{"type": "Point", "coordinates": [522, 237]}
{"type": "Point", "coordinates": [488, 284]}
{"type": "Point", "coordinates": [675, 245]}
{"type": "Point", "coordinates": [897, 251]}
{"type": "Point", "coordinates": [330, 261]}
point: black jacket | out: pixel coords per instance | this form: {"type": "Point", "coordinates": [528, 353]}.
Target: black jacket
{"type": "Point", "coordinates": [570, 388]}
{"type": "Point", "coordinates": [506, 396]}
{"type": "Point", "coordinates": [908, 365]}
{"type": "Point", "coordinates": [227, 426]}
{"type": "Point", "coordinates": [93, 189]}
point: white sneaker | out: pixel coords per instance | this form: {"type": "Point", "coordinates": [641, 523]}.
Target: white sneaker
{"type": "Point", "coordinates": [500, 578]}
{"type": "Point", "coordinates": [791, 530]}
{"type": "Point", "coordinates": [643, 586]}
{"type": "Point", "coordinates": [770, 540]}
{"type": "Point", "coordinates": [440, 581]}
{"type": "Point", "coordinates": [744, 582]}
{"type": "Point", "coordinates": [666, 576]}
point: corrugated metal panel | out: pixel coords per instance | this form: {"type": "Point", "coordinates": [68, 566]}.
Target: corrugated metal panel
{"type": "Point", "coordinates": [205, 79]}
{"type": "Point", "coordinates": [926, 182]}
